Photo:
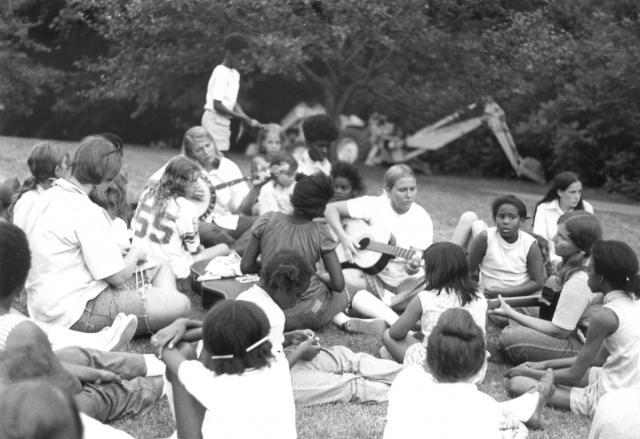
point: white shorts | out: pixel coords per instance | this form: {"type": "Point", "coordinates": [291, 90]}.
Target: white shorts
{"type": "Point", "coordinates": [584, 400]}
{"type": "Point", "coordinates": [218, 128]}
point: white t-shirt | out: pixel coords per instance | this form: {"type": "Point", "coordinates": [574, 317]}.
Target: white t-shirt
{"type": "Point", "coordinates": [505, 264]}
{"type": "Point", "coordinates": [227, 199]}
{"type": "Point", "coordinates": [574, 300]}
{"type": "Point", "coordinates": [23, 206]}
{"type": "Point", "coordinates": [307, 166]}
{"type": "Point", "coordinates": [276, 317]}
{"type": "Point", "coordinates": [617, 415]}
{"type": "Point", "coordinates": [411, 229]}
{"type": "Point", "coordinates": [421, 407]}
{"type": "Point", "coordinates": [223, 86]}
{"type": "Point", "coordinates": [256, 404]}
{"type": "Point", "coordinates": [275, 198]}
{"type": "Point", "coordinates": [170, 235]}
{"type": "Point", "coordinates": [546, 223]}
{"type": "Point", "coordinates": [72, 251]}
{"type": "Point", "coordinates": [434, 304]}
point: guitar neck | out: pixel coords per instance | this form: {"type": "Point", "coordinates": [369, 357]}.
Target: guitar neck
{"type": "Point", "coordinates": [389, 249]}
{"type": "Point", "coordinates": [232, 182]}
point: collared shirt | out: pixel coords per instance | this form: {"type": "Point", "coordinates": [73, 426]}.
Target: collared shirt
{"type": "Point", "coordinates": [72, 251]}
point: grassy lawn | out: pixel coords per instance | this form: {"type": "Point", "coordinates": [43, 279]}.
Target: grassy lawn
{"type": "Point", "coordinates": [445, 198]}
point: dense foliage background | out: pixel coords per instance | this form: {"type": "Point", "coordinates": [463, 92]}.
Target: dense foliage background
{"type": "Point", "coordinates": [564, 71]}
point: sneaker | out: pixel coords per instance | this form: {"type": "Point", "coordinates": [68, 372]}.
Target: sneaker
{"type": "Point", "coordinates": [121, 332]}
{"type": "Point", "coordinates": [365, 326]}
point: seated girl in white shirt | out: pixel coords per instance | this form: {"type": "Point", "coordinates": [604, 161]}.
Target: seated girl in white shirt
{"type": "Point", "coordinates": [275, 195]}
{"type": "Point", "coordinates": [564, 195]}
{"type": "Point", "coordinates": [166, 221]}
{"type": "Point", "coordinates": [271, 141]}
{"type": "Point", "coordinates": [431, 402]}
{"type": "Point", "coordinates": [238, 388]}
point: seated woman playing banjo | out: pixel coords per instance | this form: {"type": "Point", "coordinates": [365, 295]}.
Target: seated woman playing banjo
{"type": "Point", "coordinates": [406, 224]}
{"type": "Point", "coordinates": [226, 195]}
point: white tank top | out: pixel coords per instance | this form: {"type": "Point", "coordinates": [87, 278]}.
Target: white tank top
{"type": "Point", "coordinates": [505, 264]}
{"type": "Point", "coordinates": [7, 323]}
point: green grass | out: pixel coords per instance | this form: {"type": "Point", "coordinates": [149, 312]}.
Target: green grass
{"type": "Point", "coordinates": [445, 198]}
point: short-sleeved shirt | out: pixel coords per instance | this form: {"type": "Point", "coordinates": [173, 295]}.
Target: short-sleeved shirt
{"type": "Point", "coordinates": [22, 208]}
{"type": "Point", "coordinates": [276, 233]}
{"type": "Point", "coordinates": [573, 303]}
{"type": "Point", "coordinates": [257, 403]}
{"type": "Point", "coordinates": [546, 223]}
{"type": "Point", "coordinates": [418, 403]}
{"type": "Point", "coordinates": [72, 251]}
{"type": "Point", "coordinates": [170, 234]}
{"type": "Point", "coordinates": [413, 228]}
{"type": "Point", "coordinates": [275, 198]}
{"type": "Point", "coordinates": [223, 86]}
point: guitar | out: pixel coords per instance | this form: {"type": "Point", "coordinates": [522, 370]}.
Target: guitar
{"type": "Point", "coordinates": [377, 247]}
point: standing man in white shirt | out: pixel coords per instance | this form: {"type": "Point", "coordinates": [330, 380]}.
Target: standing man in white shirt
{"type": "Point", "coordinates": [222, 93]}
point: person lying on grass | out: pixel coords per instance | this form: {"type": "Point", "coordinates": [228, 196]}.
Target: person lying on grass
{"type": "Point", "coordinates": [319, 374]}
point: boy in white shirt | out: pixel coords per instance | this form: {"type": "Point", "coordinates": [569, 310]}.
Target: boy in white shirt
{"type": "Point", "coordinates": [222, 92]}
{"type": "Point", "coordinates": [319, 132]}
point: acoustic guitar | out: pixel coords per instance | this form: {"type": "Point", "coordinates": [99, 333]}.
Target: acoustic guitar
{"type": "Point", "coordinates": [377, 247]}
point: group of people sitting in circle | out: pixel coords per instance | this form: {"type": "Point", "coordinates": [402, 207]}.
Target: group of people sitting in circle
{"type": "Point", "coordinates": [94, 273]}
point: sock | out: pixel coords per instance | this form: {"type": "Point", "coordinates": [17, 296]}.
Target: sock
{"type": "Point", "coordinates": [154, 366]}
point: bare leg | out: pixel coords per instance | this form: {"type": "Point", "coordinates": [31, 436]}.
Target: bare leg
{"type": "Point", "coordinates": [366, 303]}
{"type": "Point", "coordinates": [163, 307]}
{"type": "Point", "coordinates": [164, 278]}
{"type": "Point", "coordinates": [469, 225]}
{"type": "Point", "coordinates": [520, 385]}
{"type": "Point", "coordinates": [397, 348]}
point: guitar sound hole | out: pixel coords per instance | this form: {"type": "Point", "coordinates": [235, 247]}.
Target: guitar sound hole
{"type": "Point", "coordinates": [364, 243]}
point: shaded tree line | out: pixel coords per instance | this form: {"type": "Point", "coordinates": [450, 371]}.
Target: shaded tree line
{"type": "Point", "coordinates": [564, 70]}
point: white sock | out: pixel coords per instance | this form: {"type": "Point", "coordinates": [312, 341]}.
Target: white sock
{"type": "Point", "coordinates": [155, 367]}
{"type": "Point", "coordinates": [522, 407]}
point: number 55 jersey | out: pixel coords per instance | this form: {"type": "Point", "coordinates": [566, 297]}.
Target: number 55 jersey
{"type": "Point", "coordinates": [169, 232]}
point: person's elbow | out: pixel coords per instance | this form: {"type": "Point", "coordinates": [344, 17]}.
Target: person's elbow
{"type": "Point", "coordinates": [117, 279]}
{"type": "Point", "coordinates": [247, 266]}
{"type": "Point", "coordinates": [338, 285]}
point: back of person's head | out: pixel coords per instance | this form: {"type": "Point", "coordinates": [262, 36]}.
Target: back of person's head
{"type": "Point", "coordinates": [319, 128]}
{"type": "Point", "coordinates": [192, 138]}
{"type": "Point", "coordinates": [446, 268]}
{"type": "Point", "coordinates": [311, 195]}
{"type": "Point", "coordinates": [617, 263]}
{"type": "Point", "coordinates": [456, 347]}
{"type": "Point", "coordinates": [287, 159]}
{"type": "Point", "coordinates": [15, 259]}
{"type": "Point", "coordinates": [395, 173]}
{"type": "Point", "coordinates": [98, 159]}
{"type": "Point", "coordinates": [112, 197]}
{"type": "Point", "coordinates": [179, 175]}
{"type": "Point", "coordinates": [285, 276]}
{"type": "Point", "coordinates": [510, 200]}
{"type": "Point", "coordinates": [235, 334]}
{"type": "Point", "coordinates": [350, 173]}
{"type": "Point", "coordinates": [44, 159]}
{"type": "Point", "coordinates": [36, 409]}
{"type": "Point", "coordinates": [235, 42]}
{"type": "Point", "coordinates": [583, 229]}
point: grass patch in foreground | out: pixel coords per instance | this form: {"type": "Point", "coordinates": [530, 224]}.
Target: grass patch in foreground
{"type": "Point", "coordinates": [444, 197]}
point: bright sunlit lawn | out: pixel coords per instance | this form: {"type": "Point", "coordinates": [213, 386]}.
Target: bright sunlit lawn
{"type": "Point", "coordinates": [445, 198]}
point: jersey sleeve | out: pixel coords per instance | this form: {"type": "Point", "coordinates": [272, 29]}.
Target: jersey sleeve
{"type": "Point", "coordinates": [187, 224]}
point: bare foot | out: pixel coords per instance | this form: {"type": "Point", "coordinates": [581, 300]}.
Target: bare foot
{"type": "Point", "coordinates": [545, 388]}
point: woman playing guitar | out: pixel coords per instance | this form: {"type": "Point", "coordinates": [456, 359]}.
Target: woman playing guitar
{"type": "Point", "coordinates": [396, 211]}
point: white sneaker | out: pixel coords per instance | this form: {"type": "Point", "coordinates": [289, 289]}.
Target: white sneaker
{"type": "Point", "coordinates": [121, 332]}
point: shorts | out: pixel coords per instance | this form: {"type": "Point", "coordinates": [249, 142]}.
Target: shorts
{"type": "Point", "coordinates": [584, 400]}
{"type": "Point", "coordinates": [219, 128]}
{"type": "Point", "coordinates": [129, 298]}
